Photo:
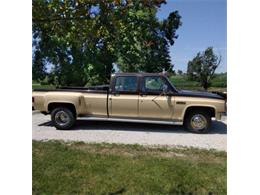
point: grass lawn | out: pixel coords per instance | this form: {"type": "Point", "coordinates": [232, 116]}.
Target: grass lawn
{"type": "Point", "coordinates": [80, 168]}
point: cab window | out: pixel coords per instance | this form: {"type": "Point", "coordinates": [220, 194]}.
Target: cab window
{"type": "Point", "coordinates": [126, 84]}
{"type": "Point", "coordinates": [153, 84]}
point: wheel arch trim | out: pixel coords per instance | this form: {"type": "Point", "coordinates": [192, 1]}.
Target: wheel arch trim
{"type": "Point", "coordinates": [60, 103]}
{"type": "Point", "coordinates": [197, 106]}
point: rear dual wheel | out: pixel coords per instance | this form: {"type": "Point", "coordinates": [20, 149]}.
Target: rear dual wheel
{"type": "Point", "coordinates": [63, 118]}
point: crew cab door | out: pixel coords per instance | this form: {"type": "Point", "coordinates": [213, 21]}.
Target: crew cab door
{"type": "Point", "coordinates": [124, 97]}
{"type": "Point", "coordinates": [154, 103]}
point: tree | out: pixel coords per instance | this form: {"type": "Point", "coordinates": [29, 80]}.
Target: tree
{"type": "Point", "coordinates": [70, 36]}
{"type": "Point", "coordinates": [38, 70]}
{"type": "Point", "coordinates": [203, 66]}
{"type": "Point", "coordinates": [82, 39]}
{"type": "Point", "coordinates": [144, 41]}
{"type": "Point", "coordinates": [179, 72]}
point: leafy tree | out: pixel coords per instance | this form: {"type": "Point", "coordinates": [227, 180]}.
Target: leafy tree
{"type": "Point", "coordinates": [179, 72]}
{"type": "Point", "coordinates": [69, 37]}
{"type": "Point", "coordinates": [203, 66]}
{"type": "Point", "coordinates": [144, 41]}
{"type": "Point", "coordinates": [39, 70]}
{"type": "Point", "coordinates": [82, 39]}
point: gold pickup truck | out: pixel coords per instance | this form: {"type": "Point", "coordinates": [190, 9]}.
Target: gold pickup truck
{"type": "Point", "coordinates": [131, 97]}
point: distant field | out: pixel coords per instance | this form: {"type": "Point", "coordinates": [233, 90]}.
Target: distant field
{"type": "Point", "coordinates": [178, 87]}
{"type": "Point", "coordinates": [37, 86]}
{"type": "Point", "coordinates": [81, 168]}
{"type": "Point", "coordinates": [219, 83]}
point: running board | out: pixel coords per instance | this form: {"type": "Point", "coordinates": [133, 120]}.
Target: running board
{"type": "Point", "coordinates": [91, 118]}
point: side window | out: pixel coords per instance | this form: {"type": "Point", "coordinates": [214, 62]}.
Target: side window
{"type": "Point", "coordinates": [126, 84]}
{"type": "Point", "coordinates": [153, 84]}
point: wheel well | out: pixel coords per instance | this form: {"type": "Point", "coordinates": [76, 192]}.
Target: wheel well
{"type": "Point", "coordinates": [209, 110]}
{"type": "Point", "coordinates": [70, 106]}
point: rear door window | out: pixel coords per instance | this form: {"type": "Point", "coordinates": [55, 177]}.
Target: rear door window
{"type": "Point", "coordinates": [126, 84]}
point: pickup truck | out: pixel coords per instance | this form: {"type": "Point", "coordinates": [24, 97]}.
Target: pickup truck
{"type": "Point", "coordinates": [131, 97]}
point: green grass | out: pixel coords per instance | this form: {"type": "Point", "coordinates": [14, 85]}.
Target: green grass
{"type": "Point", "coordinates": [39, 86]}
{"type": "Point", "coordinates": [80, 168]}
{"type": "Point", "coordinates": [182, 81]}
{"type": "Point", "coordinates": [219, 82]}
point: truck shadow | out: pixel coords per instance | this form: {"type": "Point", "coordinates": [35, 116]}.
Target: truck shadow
{"type": "Point", "coordinates": [217, 127]}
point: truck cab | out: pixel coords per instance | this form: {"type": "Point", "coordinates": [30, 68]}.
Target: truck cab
{"type": "Point", "coordinates": [144, 96]}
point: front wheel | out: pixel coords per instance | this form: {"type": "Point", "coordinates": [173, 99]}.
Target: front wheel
{"type": "Point", "coordinates": [62, 118]}
{"type": "Point", "coordinates": [197, 121]}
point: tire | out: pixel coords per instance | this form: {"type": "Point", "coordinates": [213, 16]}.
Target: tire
{"type": "Point", "coordinates": [63, 118]}
{"type": "Point", "coordinates": [197, 121]}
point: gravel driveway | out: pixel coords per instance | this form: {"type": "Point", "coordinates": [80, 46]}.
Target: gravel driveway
{"type": "Point", "coordinates": [131, 133]}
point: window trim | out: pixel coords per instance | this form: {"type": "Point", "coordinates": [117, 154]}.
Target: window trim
{"type": "Point", "coordinates": [136, 92]}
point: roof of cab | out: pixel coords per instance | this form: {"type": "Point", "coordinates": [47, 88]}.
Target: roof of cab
{"type": "Point", "coordinates": [137, 74]}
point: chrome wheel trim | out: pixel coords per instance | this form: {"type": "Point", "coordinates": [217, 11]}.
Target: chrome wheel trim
{"type": "Point", "coordinates": [198, 122]}
{"type": "Point", "coordinates": [62, 118]}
